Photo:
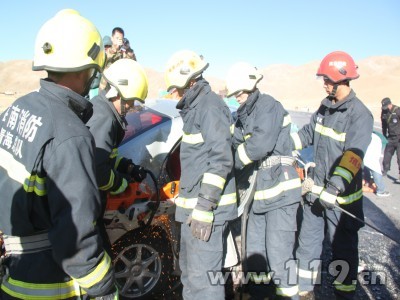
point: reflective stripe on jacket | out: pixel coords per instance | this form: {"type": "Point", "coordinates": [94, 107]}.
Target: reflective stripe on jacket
{"type": "Point", "coordinates": [48, 183]}
{"type": "Point", "coordinates": [108, 130]}
{"type": "Point", "coordinates": [263, 131]}
{"type": "Point", "coordinates": [206, 154]}
{"type": "Point", "coordinates": [340, 134]}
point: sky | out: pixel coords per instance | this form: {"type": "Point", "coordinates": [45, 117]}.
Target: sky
{"type": "Point", "coordinates": [260, 32]}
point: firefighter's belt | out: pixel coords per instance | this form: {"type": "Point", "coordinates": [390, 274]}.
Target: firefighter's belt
{"type": "Point", "coordinates": [276, 160]}
{"type": "Point", "coordinates": [26, 244]}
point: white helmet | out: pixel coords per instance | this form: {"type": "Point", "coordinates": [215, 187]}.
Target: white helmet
{"type": "Point", "coordinates": [183, 66]}
{"type": "Point", "coordinates": [129, 78]}
{"type": "Point", "coordinates": [242, 77]}
{"type": "Point", "coordinates": [68, 42]}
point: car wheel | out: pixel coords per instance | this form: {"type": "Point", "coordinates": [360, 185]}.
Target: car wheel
{"type": "Point", "coordinates": [142, 262]}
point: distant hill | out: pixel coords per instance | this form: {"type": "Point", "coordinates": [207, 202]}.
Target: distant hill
{"type": "Point", "coordinates": [296, 87]}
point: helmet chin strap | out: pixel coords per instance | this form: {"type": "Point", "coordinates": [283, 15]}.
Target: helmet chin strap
{"type": "Point", "coordinates": [89, 84]}
{"type": "Point", "coordinates": [332, 95]}
{"type": "Point", "coordinates": [195, 80]}
{"type": "Point", "coordinates": [123, 108]}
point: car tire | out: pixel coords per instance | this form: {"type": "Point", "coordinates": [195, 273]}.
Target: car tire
{"type": "Point", "coordinates": [143, 262]}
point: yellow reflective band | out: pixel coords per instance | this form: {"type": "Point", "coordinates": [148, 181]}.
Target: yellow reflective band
{"type": "Point", "coordinates": [232, 128]}
{"type": "Point", "coordinates": [192, 138]}
{"type": "Point", "coordinates": [227, 199]}
{"type": "Point", "coordinates": [307, 274]}
{"type": "Point", "coordinates": [287, 120]}
{"type": "Point", "coordinates": [343, 287]}
{"type": "Point", "coordinates": [328, 197]}
{"type": "Point", "coordinates": [343, 173]}
{"type": "Point", "coordinates": [288, 291]}
{"type": "Point", "coordinates": [243, 156]}
{"type": "Point", "coordinates": [247, 136]}
{"type": "Point", "coordinates": [214, 180]}
{"type": "Point", "coordinates": [278, 189]}
{"type": "Point", "coordinates": [186, 203]}
{"type": "Point", "coordinates": [204, 216]}
{"type": "Point", "coordinates": [296, 140]}
{"type": "Point", "coordinates": [329, 132]}
{"type": "Point", "coordinates": [260, 277]}
{"type": "Point", "coordinates": [114, 153]}
{"type": "Point", "coordinates": [190, 203]}
{"type": "Point", "coordinates": [341, 199]}
{"type": "Point", "coordinates": [316, 189]}
{"type": "Point", "coordinates": [117, 161]}
{"type": "Point", "coordinates": [97, 275]}
{"type": "Point", "coordinates": [110, 182]}
{"type": "Point", "coordinates": [350, 198]}
{"type": "Point", "coordinates": [14, 168]}
{"type": "Point", "coordinates": [351, 162]}
{"type": "Point", "coordinates": [36, 184]}
{"type": "Point", "coordinates": [41, 291]}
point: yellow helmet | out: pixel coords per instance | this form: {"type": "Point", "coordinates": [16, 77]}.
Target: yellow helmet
{"type": "Point", "coordinates": [129, 78]}
{"type": "Point", "coordinates": [242, 77]}
{"type": "Point", "coordinates": [68, 42]}
{"type": "Point", "coordinates": [183, 66]}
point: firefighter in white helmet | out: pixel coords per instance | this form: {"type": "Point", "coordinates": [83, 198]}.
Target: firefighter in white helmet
{"type": "Point", "coordinates": [262, 137]}
{"type": "Point", "coordinates": [207, 192]}
{"type": "Point", "coordinates": [127, 85]}
{"type": "Point", "coordinates": [50, 200]}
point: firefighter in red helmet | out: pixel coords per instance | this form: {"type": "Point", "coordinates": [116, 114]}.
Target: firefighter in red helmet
{"type": "Point", "coordinates": [339, 147]}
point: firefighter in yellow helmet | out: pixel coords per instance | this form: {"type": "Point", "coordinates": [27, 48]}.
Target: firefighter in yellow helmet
{"type": "Point", "coordinates": [207, 192]}
{"type": "Point", "coordinates": [126, 86]}
{"type": "Point", "coordinates": [262, 138]}
{"type": "Point", "coordinates": [50, 201]}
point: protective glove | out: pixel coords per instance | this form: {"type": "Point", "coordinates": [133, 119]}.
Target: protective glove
{"type": "Point", "coordinates": [138, 173]}
{"type": "Point", "coordinates": [111, 296]}
{"type": "Point", "coordinates": [201, 220]}
{"type": "Point", "coordinates": [327, 197]}
{"type": "Point", "coordinates": [306, 186]}
{"type": "Point", "coordinates": [122, 187]}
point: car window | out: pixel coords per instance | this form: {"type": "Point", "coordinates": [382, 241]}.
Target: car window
{"type": "Point", "coordinates": [141, 121]}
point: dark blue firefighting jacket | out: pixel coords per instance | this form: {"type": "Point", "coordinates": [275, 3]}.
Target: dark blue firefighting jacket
{"type": "Point", "coordinates": [49, 198]}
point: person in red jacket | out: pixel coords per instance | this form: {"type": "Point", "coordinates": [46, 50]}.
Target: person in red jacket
{"type": "Point", "coordinates": [50, 201]}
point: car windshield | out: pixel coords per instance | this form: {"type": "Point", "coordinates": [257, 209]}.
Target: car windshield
{"type": "Point", "coordinates": [140, 121]}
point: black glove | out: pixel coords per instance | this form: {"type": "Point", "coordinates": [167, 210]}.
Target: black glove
{"type": "Point", "coordinates": [327, 198]}
{"type": "Point", "coordinates": [201, 220]}
{"type": "Point", "coordinates": [138, 173]}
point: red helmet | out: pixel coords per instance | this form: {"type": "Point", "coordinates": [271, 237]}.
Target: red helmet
{"type": "Point", "coordinates": [338, 66]}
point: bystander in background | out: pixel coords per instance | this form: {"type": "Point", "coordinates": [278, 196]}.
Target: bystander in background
{"type": "Point", "coordinates": [120, 48]}
{"type": "Point", "coordinates": [390, 118]}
